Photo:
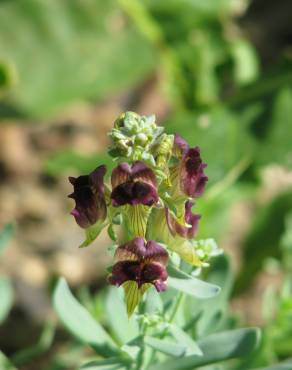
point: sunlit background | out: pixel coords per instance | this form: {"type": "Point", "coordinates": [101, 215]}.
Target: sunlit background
{"type": "Point", "coordinates": [218, 72]}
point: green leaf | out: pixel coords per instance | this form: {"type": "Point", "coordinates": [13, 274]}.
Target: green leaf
{"type": "Point", "coordinates": [263, 239]}
{"type": "Point", "coordinates": [42, 346]}
{"type": "Point", "coordinates": [183, 338]}
{"type": "Point", "coordinates": [186, 283]}
{"type": "Point", "coordinates": [276, 146]}
{"type": "Point", "coordinates": [165, 346]}
{"type": "Point", "coordinates": [6, 301]}
{"type": "Point", "coordinates": [5, 364]}
{"type": "Point", "coordinates": [7, 76]}
{"type": "Point", "coordinates": [281, 366]}
{"type": "Point", "coordinates": [80, 323]}
{"type": "Point", "coordinates": [246, 68]}
{"type": "Point", "coordinates": [91, 233]}
{"type": "Point", "coordinates": [124, 329]}
{"type": "Point", "coordinates": [109, 364]}
{"type": "Point", "coordinates": [5, 236]}
{"type": "Point", "coordinates": [218, 126]}
{"type": "Point", "coordinates": [72, 43]}
{"type": "Point", "coordinates": [216, 347]}
{"type": "Point", "coordinates": [66, 160]}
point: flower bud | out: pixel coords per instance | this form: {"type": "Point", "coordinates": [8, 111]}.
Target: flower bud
{"type": "Point", "coordinates": [89, 197]}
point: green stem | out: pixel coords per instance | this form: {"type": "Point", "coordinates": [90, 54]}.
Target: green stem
{"type": "Point", "coordinates": [140, 358]}
{"type": "Point", "coordinates": [176, 307]}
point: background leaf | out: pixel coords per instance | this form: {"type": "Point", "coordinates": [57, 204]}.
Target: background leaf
{"type": "Point", "coordinates": [70, 56]}
{"type": "Point", "coordinates": [216, 347]}
{"type": "Point", "coordinates": [79, 322]}
{"type": "Point", "coordinates": [6, 300]}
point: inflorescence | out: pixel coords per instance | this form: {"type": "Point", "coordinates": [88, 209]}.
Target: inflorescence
{"type": "Point", "coordinates": [151, 194]}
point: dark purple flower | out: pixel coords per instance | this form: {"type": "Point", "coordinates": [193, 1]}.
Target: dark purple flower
{"type": "Point", "coordinates": [190, 170]}
{"type": "Point", "coordinates": [140, 262]}
{"type": "Point", "coordinates": [133, 185]}
{"type": "Point", "coordinates": [191, 219]}
{"type": "Point", "coordinates": [89, 198]}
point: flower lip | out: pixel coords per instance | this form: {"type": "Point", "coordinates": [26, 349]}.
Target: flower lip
{"type": "Point", "coordinates": [141, 262]}
{"type": "Point", "coordinates": [89, 197]}
{"type": "Point", "coordinates": [133, 185]}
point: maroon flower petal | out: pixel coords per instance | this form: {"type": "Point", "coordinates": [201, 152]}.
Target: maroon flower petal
{"type": "Point", "coordinates": [133, 185]}
{"type": "Point", "coordinates": [180, 146]}
{"type": "Point", "coordinates": [155, 252]}
{"type": "Point", "coordinates": [124, 271]}
{"type": "Point", "coordinates": [141, 273]}
{"type": "Point", "coordinates": [89, 197]}
{"type": "Point", "coordinates": [137, 249]}
{"type": "Point", "coordinates": [121, 174]}
{"type": "Point", "coordinates": [192, 177]}
{"type": "Point", "coordinates": [190, 219]}
{"type": "Point", "coordinates": [154, 273]}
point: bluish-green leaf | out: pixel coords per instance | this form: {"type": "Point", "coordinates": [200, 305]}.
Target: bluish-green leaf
{"type": "Point", "coordinates": [165, 346]}
{"type": "Point", "coordinates": [282, 366]}
{"type": "Point", "coordinates": [184, 339]}
{"type": "Point", "coordinates": [215, 348]}
{"type": "Point", "coordinates": [109, 364]}
{"type": "Point", "coordinates": [80, 323]}
{"type": "Point", "coordinates": [185, 283]}
{"type": "Point", "coordinates": [123, 328]}
{"type": "Point", "coordinates": [6, 297]}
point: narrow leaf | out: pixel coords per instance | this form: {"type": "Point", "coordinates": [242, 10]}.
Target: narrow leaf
{"type": "Point", "coordinates": [216, 347]}
{"type": "Point", "coordinates": [190, 285]}
{"type": "Point", "coordinates": [165, 346]}
{"type": "Point", "coordinates": [183, 338]}
{"type": "Point", "coordinates": [108, 364]}
{"type": "Point", "coordinates": [80, 323]}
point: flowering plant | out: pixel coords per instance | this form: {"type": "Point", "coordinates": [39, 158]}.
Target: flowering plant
{"type": "Point", "coordinates": [153, 188]}
{"type": "Point", "coordinates": [151, 193]}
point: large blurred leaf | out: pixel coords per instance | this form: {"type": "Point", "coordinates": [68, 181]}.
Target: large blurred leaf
{"type": "Point", "coordinates": [80, 323]}
{"type": "Point", "coordinates": [6, 297]}
{"type": "Point", "coordinates": [213, 311]}
{"type": "Point", "coordinates": [5, 364]}
{"type": "Point", "coordinates": [281, 366]}
{"type": "Point", "coordinates": [264, 238]}
{"type": "Point", "coordinates": [192, 286]}
{"type": "Point", "coordinates": [71, 160]}
{"type": "Point", "coordinates": [216, 347]}
{"type": "Point", "coordinates": [276, 147]}
{"type": "Point", "coordinates": [41, 346]}
{"type": "Point", "coordinates": [69, 50]}
{"type": "Point", "coordinates": [221, 135]}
